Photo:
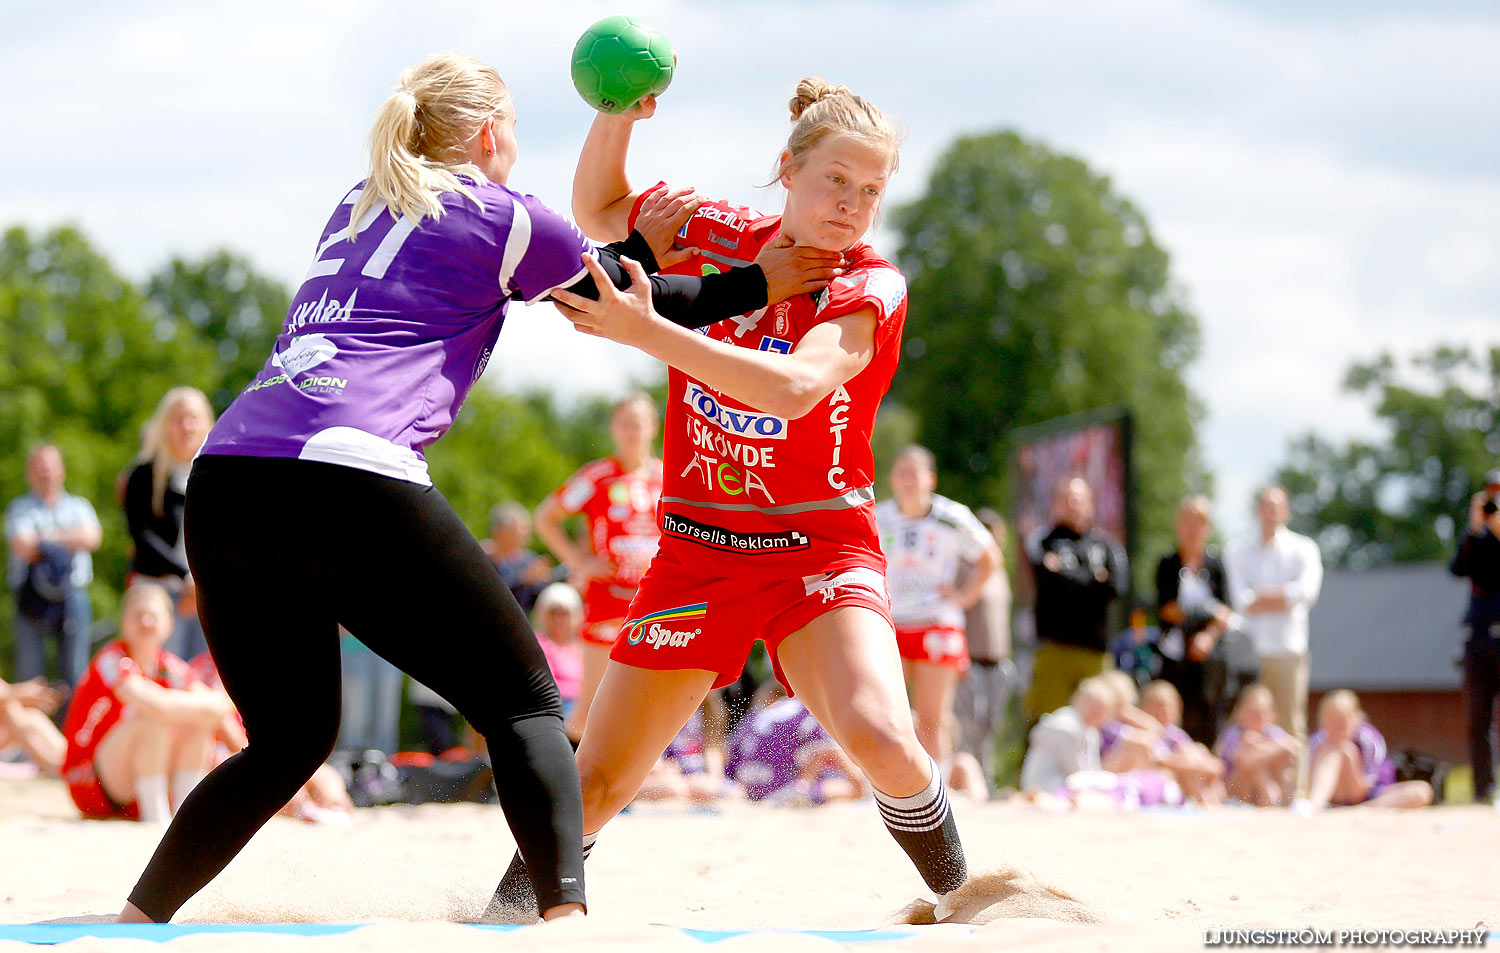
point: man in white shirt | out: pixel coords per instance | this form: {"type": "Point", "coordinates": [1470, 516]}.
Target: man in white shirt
{"type": "Point", "coordinates": [43, 526]}
{"type": "Point", "coordinates": [1274, 580]}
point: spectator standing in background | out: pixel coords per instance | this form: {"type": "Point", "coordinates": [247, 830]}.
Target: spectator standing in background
{"type": "Point", "coordinates": [370, 703]}
{"type": "Point", "coordinates": [926, 537]}
{"type": "Point", "coordinates": [154, 494]}
{"type": "Point", "coordinates": [524, 572]}
{"type": "Point", "coordinates": [1192, 595]}
{"type": "Point", "coordinates": [51, 534]}
{"type": "Point", "coordinates": [1478, 560]}
{"type": "Point", "coordinates": [1274, 580]}
{"type": "Point", "coordinates": [617, 498]}
{"type": "Point", "coordinates": [1079, 572]}
{"type": "Point", "coordinates": [984, 694]}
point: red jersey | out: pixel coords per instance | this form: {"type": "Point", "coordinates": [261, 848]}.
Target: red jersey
{"type": "Point", "coordinates": [750, 492]}
{"type": "Point", "coordinates": [620, 509]}
{"type": "Point", "coordinates": [95, 707]}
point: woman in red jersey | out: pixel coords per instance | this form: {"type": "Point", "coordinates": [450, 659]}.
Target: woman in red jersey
{"type": "Point", "coordinates": [141, 727]}
{"type": "Point", "coordinates": [617, 497]}
{"type": "Point", "coordinates": [767, 515]}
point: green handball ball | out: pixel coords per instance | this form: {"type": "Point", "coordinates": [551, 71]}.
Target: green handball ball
{"type": "Point", "coordinates": [619, 61]}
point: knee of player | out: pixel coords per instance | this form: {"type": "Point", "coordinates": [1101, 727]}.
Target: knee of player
{"type": "Point", "coordinates": [874, 743]}
{"type": "Point", "coordinates": [597, 787]}
{"type": "Point", "coordinates": [302, 747]}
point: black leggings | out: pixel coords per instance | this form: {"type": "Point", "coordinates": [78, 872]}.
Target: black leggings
{"type": "Point", "coordinates": [284, 552]}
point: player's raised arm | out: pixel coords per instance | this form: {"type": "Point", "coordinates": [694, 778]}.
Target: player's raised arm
{"type": "Point", "coordinates": [602, 193]}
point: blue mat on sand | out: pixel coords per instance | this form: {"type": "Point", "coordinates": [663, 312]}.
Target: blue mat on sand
{"type": "Point", "coordinates": [53, 933]}
{"type": "Point", "coordinates": [47, 934]}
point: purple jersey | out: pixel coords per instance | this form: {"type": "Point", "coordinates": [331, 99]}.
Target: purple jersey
{"type": "Point", "coordinates": [1378, 769]}
{"type": "Point", "coordinates": [387, 334]}
{"type": "Point", "coordinates": [1172, 739]}
{"type": "Point", "coordinates": [768, 750]}
{"type": "Point", "coordinates": [687, 747]}
{"type": "Point", "coordinates": [1229, 742]}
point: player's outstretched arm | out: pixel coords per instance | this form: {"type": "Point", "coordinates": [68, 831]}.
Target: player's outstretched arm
{"type": "Point", "coordinates": [693, 301]}
{"type": "Point", "coordinates": [786, 385]}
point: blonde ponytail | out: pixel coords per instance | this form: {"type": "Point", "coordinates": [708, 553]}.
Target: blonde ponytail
{"type": "Point", "coordinates": [420, 131]}
{"type": "Point", "coordinates": [820, 109]}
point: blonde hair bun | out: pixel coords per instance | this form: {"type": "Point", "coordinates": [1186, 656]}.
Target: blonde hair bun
{"type": "Point", "coordinates": [821, 109]}
{"type": "Point", "coordinates": [812, 90]}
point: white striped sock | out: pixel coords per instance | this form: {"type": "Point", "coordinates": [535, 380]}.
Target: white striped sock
{"type": "Point", "coordinates": [923, 811]}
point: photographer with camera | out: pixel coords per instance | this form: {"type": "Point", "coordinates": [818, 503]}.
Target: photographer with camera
{"type": "Point", "coordinates": [1478, 558]}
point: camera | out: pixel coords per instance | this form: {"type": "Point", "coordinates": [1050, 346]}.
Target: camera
{"type": "Point", "coordinates": [1489, 507]}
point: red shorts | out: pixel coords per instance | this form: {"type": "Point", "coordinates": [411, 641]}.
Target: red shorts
{"type": "Point", "coordinates": [603, 615]}
{"type": "Point", "coordinates": [87, 792]}
{"type": "Point", "coordinates": [934, 644]}
{"type": "Point", "coordinates": [683, 619]}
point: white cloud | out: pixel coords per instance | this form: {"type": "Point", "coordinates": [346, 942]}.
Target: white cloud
{"type": "Point", "coordinates": [1327, 184]}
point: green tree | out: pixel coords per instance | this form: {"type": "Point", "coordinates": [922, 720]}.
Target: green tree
{"type": "Point", "coordinates": [84, 363]}
{"type": "Point", "coordinates": [1037, 291]}
{"type": "Point", "coordinates": [1403, 497]}
{"type": "Point", "coordinates": [224, 302]}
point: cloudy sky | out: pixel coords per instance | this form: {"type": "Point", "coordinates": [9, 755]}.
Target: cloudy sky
{"type": "Point", "coordinates": [1326, 176]}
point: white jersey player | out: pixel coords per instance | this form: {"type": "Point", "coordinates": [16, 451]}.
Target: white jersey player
{"type": "Point", "coordinates": [927, 540]}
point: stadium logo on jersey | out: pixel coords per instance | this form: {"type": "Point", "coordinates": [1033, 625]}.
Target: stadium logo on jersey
{"type": "Point", "coordinates": [779, 345]}
{"type": "Point", "coordinates": [667, 627]}
{"type": "Point", "coordinates": [723, 216]}
{"type": "Point", "coordinates": [747, 423]}
{"type": "Point", "coordinates": [731, 541]}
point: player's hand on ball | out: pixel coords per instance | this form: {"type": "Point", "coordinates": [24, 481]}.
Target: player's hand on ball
{"type": "Point", "coordinates": [617, 315]}
{"type": "Point", "coordinates": [662, 215]}
{"type": "Point", "coordinates": [644, 109]}
{"type": "Point", "coordinates": [796, 269]}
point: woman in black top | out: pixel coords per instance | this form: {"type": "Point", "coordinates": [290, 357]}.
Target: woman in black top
{"type": "Point", "coordinates": [154, 490]}
{"type": "Point", "coordinates": [1192, 592]}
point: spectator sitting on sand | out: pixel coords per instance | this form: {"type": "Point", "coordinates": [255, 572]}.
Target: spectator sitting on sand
{"type": "Point", "coordinates": [140, 728]}
{"type": "Point", "coordinates": [1062, 766]}
{"type": "Point", "coordinates": [779, 752]}
{"type": "Point", "coordinates": [558, 622]}
{"type": "Point", "coordinates": [1128, 739]}
{"type": "Point", "coordinates": [1067, 740]}
{"type": "Point", "coordinates": [1260, 759]}
{"type": "Point", "coordinates": [691, 768]}
{"type": "Point", "coordinates": [24, 724]}
{"type": "Point", "coordinates": [1349, 764]}
{"type": "Point", "coordinates": [323, 799]}
{"type": "Point", "coordinates": [1198, 772]}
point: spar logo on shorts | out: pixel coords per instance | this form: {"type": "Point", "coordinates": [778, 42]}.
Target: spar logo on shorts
{"type": "Point", "coordinates": [669, 628]}
{"type": "Point", "coordinates": [730, 541]}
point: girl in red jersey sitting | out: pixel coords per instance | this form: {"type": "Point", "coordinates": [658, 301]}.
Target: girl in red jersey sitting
{"type": "Point", "coordinates": [767, 515]}
{"type": "Point", "coordinates": [141, 728]}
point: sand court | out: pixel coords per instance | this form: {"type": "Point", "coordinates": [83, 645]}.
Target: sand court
{"type": "Point", "coordinates": [672, 879]}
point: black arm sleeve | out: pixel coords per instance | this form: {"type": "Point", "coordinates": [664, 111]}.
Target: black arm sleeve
{"type": "Point", "coordinates": [684, 300]}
